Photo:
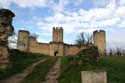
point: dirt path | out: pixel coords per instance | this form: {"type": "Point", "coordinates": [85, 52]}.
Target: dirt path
{"type": "Point", "coordinates": [19, 77]}
{"type": "Point", "coordinates": [54, 73]}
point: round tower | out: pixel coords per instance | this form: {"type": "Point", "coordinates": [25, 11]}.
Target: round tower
{"type": "Point", "coordinates": [100, 40]}
{"type": "Point", "coordinates": [23, 40]}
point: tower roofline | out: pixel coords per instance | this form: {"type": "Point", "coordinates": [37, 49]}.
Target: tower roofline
{"type": "Point", "coordinates": [57, 34]}
{"type": "Point", "coordinates": [57, 28]}
{"type": "Point", "coordinates": [7, 11]}
{"type": "Point", "coordinates": [25, 31]}
{"type": "Point", "coordinates": [98, 31]}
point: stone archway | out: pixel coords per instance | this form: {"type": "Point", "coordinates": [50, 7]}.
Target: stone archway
{"type": "Point", "coordinates": [55, 53]}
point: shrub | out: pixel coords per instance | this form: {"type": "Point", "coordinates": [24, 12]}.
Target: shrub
{"type": "Point", "coordinates": [85, 57]}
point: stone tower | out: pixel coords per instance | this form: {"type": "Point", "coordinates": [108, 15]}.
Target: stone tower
{"type": "Point", "coordinates": [6, 30]}
{"type": "Point", "coordinates": [100, 40]}
{"type": "Point", "coordinates": [57, 34]}
{"type": "Point", "coordinates": [23, 40]}
{"type": "Point", "coordinates": [56, 46]}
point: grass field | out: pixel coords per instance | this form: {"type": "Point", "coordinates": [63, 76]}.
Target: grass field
{"type": "Point", "coordinates": [19, 61]}
{"type": "Point", "coordinates": [115, 67]}
{"type": "Point", "coordinates": [40, 71]}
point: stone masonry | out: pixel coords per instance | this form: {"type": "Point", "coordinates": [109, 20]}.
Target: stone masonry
{"type": "Point", "coordinates": [56, 47]}
{"type": "Point", "coordinates": [94, 77]}
{"type": "Point", "coordinates": [6, 30]}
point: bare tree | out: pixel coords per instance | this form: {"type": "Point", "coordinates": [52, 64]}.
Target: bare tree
{"type": "Point", "coordinates": [89, 38]}
{"type": "Point", "coordinates": [33, 35]}
{"type": "Point", "coordinates": [84, 39]}
{"type": "Point", "coordinates": [80, 39]}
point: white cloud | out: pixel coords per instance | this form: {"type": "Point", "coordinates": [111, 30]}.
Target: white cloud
{"type": "Point", "coordinates": [78, 2]}
{"type": "Point", "coordinates": [5, 3]}
{"type": "Point", "coordinates": [93, 18]}
{"type": "Point", "coordinates": [43, 40]}
{"type": "Point", "coordinates": [79, 20]}
{"type": "Point", "coordinates": [101, 13]}
{"type": "Point", "coordinates": [59, 7]}
{"type": "Point", "coordinates": [87, 30]}
{"type": "Point", "coordinates": [122, 24]}
{"type": "Point", "coordinates": [108, 22]}
{"type": "Point", "coordinates": [121, 2]}
{"type": "Point", "coordinates": [120, 12]}
{"type": "Point", "coordinates": [37, 3]}
{"type": "Point", "coordinates": [30, 3]}
{"type": "Point", "coordinates": [100, 2]}
{"type": "Point", "coordinates": [82, 19]}
{"type": "Point", "coordinates": [111, 4]}
{"type": "Point", "coordinates": [57, 17]}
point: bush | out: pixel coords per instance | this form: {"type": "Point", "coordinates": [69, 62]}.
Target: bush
{"type": "Point", "coordinates": [85, 57]}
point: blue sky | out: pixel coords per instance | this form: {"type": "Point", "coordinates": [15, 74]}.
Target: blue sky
{"type": "Point", "coordinates": [75, 16]}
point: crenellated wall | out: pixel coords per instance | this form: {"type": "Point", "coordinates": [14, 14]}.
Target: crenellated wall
{"type": "Point", "coordinates": [27, 43]}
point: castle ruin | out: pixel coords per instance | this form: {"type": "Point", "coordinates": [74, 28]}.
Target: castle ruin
{"type": "Point", "coordinates": [6, 30]}
{"type": "Point", "coordinates": [57, 47]}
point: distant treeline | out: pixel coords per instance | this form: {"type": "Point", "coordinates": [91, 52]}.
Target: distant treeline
{"type": "Point", "coordinates": [115, 52]}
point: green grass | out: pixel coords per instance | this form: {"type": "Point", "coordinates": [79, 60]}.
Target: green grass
{"type": "Point", "coordinates": [115, 67]}
{"type": "Point", "coordinates": [40, 71]}
{"type": "Point", "coordinates": [19, 61]}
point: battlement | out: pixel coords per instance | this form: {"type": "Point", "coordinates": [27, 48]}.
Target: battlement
{"type": "Point", "coordinates": [57, 47]}
{"type": "Point", "coordinates": [57, 29]}
{"type": "Point", "coordinates": [24, 31]}
{"type": "Point", "coordinates": [57, 34]}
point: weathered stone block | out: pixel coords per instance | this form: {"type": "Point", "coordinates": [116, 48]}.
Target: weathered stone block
{"type": "Point", "coordinates": [6, 30]}
{"type": "Point", "coordinates": [4, 60]}
{"type": "Point", "coordinates": [94, 77]}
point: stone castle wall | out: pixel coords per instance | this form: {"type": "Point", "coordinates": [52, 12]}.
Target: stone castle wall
{"type": "Point", "coordinates": [27, 43]}
{"type": "Point", "coordinates": [36, 47]}
{"type": "Point", "coordinates": [73, 49]}
{"type": "Point", "coordinates": [56, 49]}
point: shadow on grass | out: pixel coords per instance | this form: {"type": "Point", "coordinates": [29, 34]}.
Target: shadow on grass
{"type": "Point", "coordinates": [19, 61]}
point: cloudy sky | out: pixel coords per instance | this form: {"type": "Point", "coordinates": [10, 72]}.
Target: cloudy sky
{"type": "Point", "coordinates": [75, 16]}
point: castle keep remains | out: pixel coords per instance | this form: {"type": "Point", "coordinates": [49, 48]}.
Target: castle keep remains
{"type": "Point", "coordinates": [6, 30]}
{"type": "Point", "coordinates": [57, 47]}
